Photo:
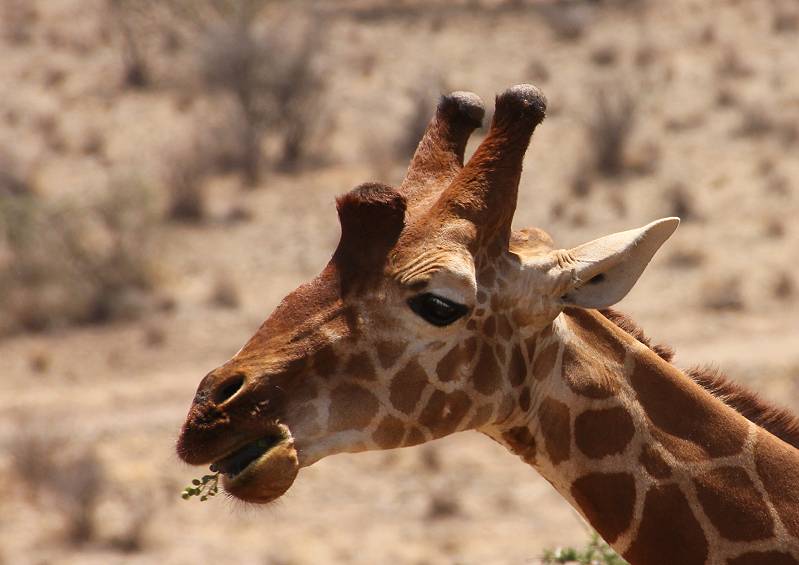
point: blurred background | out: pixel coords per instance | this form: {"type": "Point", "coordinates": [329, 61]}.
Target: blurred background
{"type": "Point", "coordinates": [167, 175]}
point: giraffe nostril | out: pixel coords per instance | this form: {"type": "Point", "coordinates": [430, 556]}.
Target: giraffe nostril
{"type": "Point", "coordinates": [228, 388]}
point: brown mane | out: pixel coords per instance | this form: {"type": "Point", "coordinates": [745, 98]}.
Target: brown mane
{"type": "Point", "coordinates": [777, 420]}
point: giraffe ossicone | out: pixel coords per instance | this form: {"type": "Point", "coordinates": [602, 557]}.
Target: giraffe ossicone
{"type": "Point", "coordinates": [434, 316]}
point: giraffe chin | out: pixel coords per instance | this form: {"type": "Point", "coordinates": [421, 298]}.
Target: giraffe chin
{"type": "Point", "coordinates": [266, 478]}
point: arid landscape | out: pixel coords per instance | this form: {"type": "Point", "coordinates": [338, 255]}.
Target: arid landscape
{"type": "Point", "coordinates": [168, 173]}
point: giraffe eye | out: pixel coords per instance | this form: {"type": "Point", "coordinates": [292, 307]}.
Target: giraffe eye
{"type": "Point", "coordinates": [437, 310]}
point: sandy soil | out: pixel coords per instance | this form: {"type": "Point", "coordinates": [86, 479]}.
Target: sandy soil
{"type": "Point", "coordinates": [122, 390]}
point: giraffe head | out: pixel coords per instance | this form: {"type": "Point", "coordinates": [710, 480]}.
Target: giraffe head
{"type": "Point", "coordinates": [416, 327]}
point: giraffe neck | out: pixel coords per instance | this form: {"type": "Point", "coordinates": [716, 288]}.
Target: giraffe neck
{"type": "Point", "coordinates": [663, 470]}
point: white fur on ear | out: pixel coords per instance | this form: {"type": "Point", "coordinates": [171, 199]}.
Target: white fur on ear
{"type": "Point", "coordinates": [604, 270]}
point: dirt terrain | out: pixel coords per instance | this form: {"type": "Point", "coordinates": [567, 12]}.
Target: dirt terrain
{"type": "Point", "coordinates": [712, 89]}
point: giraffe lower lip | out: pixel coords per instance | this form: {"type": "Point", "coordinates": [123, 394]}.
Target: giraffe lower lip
{"type": "Point", "coordinates": [236, 462]}
{"type": "Point", "coordinates": [267, 476]}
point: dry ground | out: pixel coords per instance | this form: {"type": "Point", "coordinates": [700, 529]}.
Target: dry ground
{"type": "Point", "coordinates": [716, 136]}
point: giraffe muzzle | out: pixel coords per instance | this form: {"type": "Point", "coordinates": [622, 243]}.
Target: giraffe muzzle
{"type": "Point", "coordinates": [261, 470]}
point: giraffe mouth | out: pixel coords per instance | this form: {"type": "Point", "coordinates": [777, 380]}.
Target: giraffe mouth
{"type": "Point", "coordinates": [261, 470]}
{"type": "Point", "coordinates": [235, 463]}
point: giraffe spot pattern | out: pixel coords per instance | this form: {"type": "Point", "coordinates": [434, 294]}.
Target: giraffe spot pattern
{"type": "Point", "coordinates": [414, 437]}
{"type": "Point", "coordinates": [443, 412]}
{"type": "Point", "coordinates": [388, 352]}
{"type": "Point", "coordinates": [486, 276]}
{"type": "Point", "coordinates": [599, 433]}
{"type": "Point", "coordinates": [325, 361]}
{"type": "Point", "coordinates": [524, 399]}
{"type": "Point", "coordinates": [763, 558]}
{"type": "Point", "coordinates": [517, 370]}
{"type": "Point", "coordinates": [553, 417]}
{"type": "Point", "coordinates": [531, 343]}
{"type": "Point", "coordinates": [545, 362]}
{"type": "Point", "coordinates": [359, 366]}
{"type": "Point", "coordinates": [722, 493]}
{"type": "Point", "coordinates": [352, 407]}
{"type": "Point", "coordinates": [587, 376]}
{"type": "Point", "coordinates": [407, 386]}
{"type": "Point", "coordinates": [470, 346]}
{"type": "Point", "coordinates": [505, 327]}
{"type": "Point", "coordinates": [389, 433]}
{"type": "Point", "coordinates": [449, 368]}
{"type": "Point", "coordinates": [669, 533]}
{"type": "Point", "coordinates": [489, 326]}
{"type": "Point", "coordinates": [499, 349]}
{"type": "Point", "coordinates": [772, 458]}
{"type": "Point", "coordinates": [654, 463]}
{"type": "Point", "coordinates": [486, 373]}
{"type": "Point", "coordinates": [521, 442]}
{"type": "Point", "coordinates": [481, 416]}
{"type": "Point", "coordinates": [667, 396]}
{"type": "Point", "coordinates": [607, 500]}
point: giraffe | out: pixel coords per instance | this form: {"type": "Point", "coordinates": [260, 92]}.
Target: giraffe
{"type": "Point", "coordinates": [434, 316]}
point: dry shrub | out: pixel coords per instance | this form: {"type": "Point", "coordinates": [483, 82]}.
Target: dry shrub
{"type": "Point", "coordinates": [755, 122]}
{"type": "Point", "coordinates": [732, 65]}
{"type": "Point", "coordinates": [784, 287]}
{"type": "Point", "coordinates": [778, 185]}
{"type": "Point", "coordinates": [13, 180]}
{"type": "Point", "coordinates": [40, 361]}
{"type": "Point", "coordinates": [443, 505]}
{"type": "Point", "coordinates": [133, 536]}
{"type": "Point", "coordinates": [774, 228]}
{"type": "Point", "coordinates": [251, 54]}
{"type": "Point", "coordinates": [785, 21]}
{"type": "Point", "coordinates": [185, 177]}
{"type": "Point", "coordinates": [609, 128]}
{"type": "Point", "coordinates": [69, 483]}
{"type": "Point", "coordinates": [225, 293]}
{"type": "Point", "coordinates": [646, 55]}
{"type": "Point", "coordinates": [723, 294]}
{"type": "Point", "coordinates": [680, 203]}
{"type": "Point", "coordinates": [276, 83]}
{"type": "Point", "coordinates": [726, 97]}
{"type": "Point", "coordinates": [605, 56]}
{"type": "Point", "coordinates": [581, 180]}
{"type": "Point", "coordinates": [686, 258]}
{"type": "Point", "coordinates": [136, 73]}
{"type": "Point", "coordinates": [538, 71]}
{"type": "Point", "coordinates": [64, 263]}
{"type": "Point", "coordinates": [18, 19]}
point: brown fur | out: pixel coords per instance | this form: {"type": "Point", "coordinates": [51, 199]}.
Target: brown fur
{"type": "Point", "coordinates": [777, 420]}
{"type": "Point", "coordinates": [372, 216]}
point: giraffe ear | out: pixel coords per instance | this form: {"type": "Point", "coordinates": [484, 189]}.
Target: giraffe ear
{"type": "Point", "coordinates": [604, 270]}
